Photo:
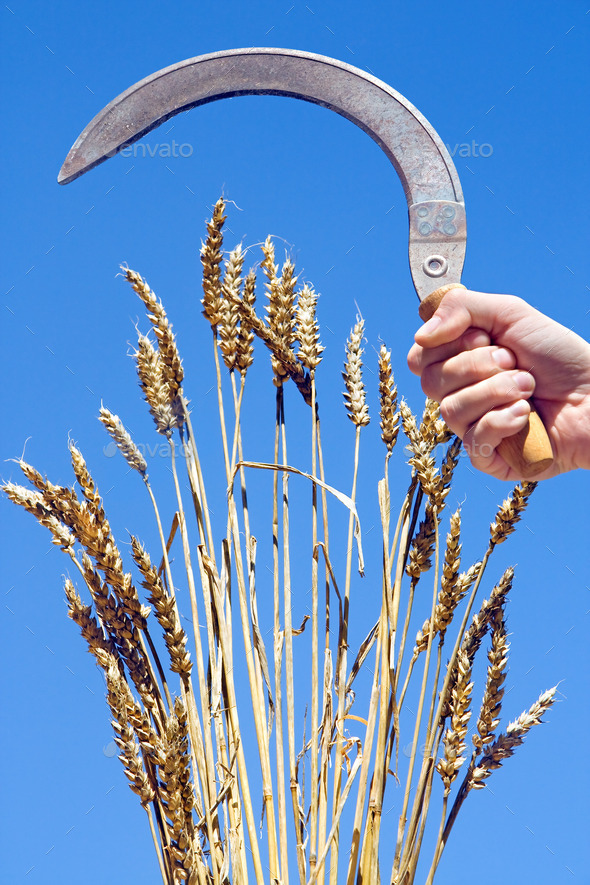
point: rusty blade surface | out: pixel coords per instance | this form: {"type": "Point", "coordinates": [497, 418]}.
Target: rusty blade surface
{"type": "Point", "coordinates": [435, 200]}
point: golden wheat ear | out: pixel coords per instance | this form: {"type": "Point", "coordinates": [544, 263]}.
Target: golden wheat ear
{"type": "Point", "coordinates": [355, 398]}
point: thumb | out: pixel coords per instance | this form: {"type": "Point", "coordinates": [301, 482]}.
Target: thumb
{"type": "Point", "coordinates": [462, 309]}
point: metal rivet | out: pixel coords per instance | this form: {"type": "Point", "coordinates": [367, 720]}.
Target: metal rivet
{"type": "Point", "coordinates": [425, 228]}
{"type": "Point", "coordinates": [435, 266]}
{"type": "Point", "coordinates": [422, 211]}
{"type": "Point", "coordinates": [448, 212]}
{"type": "Point", "coordinates": [449, 228]}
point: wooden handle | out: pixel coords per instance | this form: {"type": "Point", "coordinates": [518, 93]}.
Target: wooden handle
{"type": "Point", "coordinates": [431, 302]}
{"type": "Point", "coordinates": [528, 451]}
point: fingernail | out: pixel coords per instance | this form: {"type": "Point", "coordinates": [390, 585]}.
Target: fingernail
{"type": "Point", "coordinates": [503, 358]}
{"type": "Point", "coordinates": [431, 325]}
{"type": "Point", "coordinates": [477, 338]}
{"type": "Point", "coordinates": [519, 409]}
{"type": "Point", "coordinates": [524, 382]}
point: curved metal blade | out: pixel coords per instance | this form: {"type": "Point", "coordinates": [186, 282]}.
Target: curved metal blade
{"type": "Point", "coordinates": [428, 175]}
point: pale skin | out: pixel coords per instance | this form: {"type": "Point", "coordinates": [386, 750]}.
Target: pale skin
{"type": "Point", "coordinates": [482, 357]}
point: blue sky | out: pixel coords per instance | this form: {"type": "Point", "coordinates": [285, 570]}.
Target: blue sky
{"type": "Point", "coordinates": [506, 87]}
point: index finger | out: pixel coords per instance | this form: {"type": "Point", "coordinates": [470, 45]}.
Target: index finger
{"type": "Point", "coordinates": [419, 358]}
{"type": "Point", "coordinates": [461, 309]}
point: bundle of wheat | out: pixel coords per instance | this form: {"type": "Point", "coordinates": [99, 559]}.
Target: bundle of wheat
{"type": "Point", "coordinates": [198, 773]}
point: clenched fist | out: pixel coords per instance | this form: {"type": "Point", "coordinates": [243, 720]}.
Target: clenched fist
{"type": "Point", "coordinates": [482, 357]}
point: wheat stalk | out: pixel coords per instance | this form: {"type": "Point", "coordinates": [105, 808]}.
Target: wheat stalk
{"type": "Point", "coordinates": [358, 412]}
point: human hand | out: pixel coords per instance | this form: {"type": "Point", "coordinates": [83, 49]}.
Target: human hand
{"type": "Point", "coordinates": [483, 356]}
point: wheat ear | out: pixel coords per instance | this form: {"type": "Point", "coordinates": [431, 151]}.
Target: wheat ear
{"type": "Point", "coordinates": [173, 371]}
{"type": "Point", "coordinates": [308, 331]}
{"type": "Point", "coordinates": [280, 308]}
{"type": "Point", "coordinates": [152, 380]}
{"type": "Point", "coordinates": [433, 429]}
{"type": "Point", "coordinates": [166, 611]}
{"type": "Point", "coordinates": [230, 314]}
{"type": "Point", "coordinates": [502, 748]}
{"type": "Point", "coordinates": [510, 512]}
{"type": "Point", "coordinates": [354, 396]}
{"type": "Point", "coordinates": [389, 417]}
{"type": "Point", "coordinates": [245, 339]}
{"type": "Point", "coordinates": [33, 503]}
{"type": "Point", "coordinates": [489, 716]}
{"type": "Point", "coordinates": [505, 744]}
{"type": "Point", "coordinates": [454, 738]}
{"type": "Point", "coordinates": [211, 257]}
{"type": "Point", "coordinates": [123, 441]}
{"type": "Point", "coordinates": [82, 615]}
{"type": "Point", "coordinates": [453, 587]}
{"type": "Point", "coordinates": [283, 354]}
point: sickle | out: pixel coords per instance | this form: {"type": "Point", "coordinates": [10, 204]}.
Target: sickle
{"type": "Point", "coordinates": [437, 239]}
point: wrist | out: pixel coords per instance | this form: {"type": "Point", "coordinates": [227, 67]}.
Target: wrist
{"type": "Point", "coordinates": [581, 444]}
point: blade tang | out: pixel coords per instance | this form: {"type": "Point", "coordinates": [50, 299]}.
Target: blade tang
{"type": "Point", "coordinates": [438, 239]}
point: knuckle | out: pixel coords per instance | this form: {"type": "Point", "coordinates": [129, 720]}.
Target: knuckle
{"type": "Point", "coordinates": [414, 361]}
{"type": "Point", "coordinates": [502, 387]}
{"type": "Point", "coordinates": [450, 412]}
{"type": "Point", "coordinates": [515, 301]}
{"type": "Point", "coordinates": [475, 364]}
{"type": "Point", "coordinates": [430, 380]}
{"type": "Point", "coordinates": [486, 425]}
{"type": "Point", "coordinates": [480, 450]}
{"type": "Point", "coordinates": [480, 364]}
{"type": "Point", "coordinates": [475, 339]}
{"type": "Point", "coordinates": [454, 298]}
